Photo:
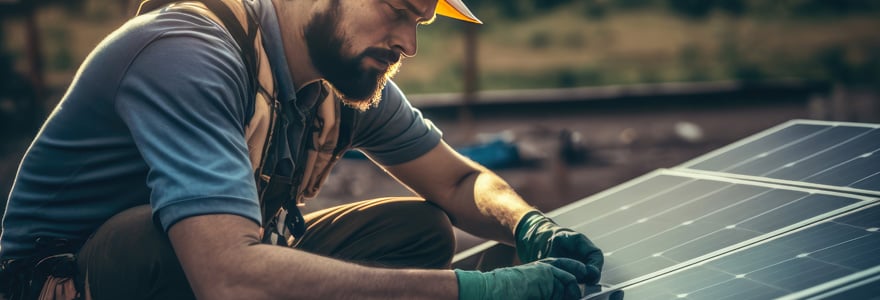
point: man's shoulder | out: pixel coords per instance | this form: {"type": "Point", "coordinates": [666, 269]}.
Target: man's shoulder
{"type": "Point", "coordinates": [194, 42]}
{"type": "Point", "coordinates": [186, 27]}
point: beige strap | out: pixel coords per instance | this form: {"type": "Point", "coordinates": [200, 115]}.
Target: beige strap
{"type": "Point", "coordinates": [58, 288]}
{"type": "Point", "coordinates": [321, 157]}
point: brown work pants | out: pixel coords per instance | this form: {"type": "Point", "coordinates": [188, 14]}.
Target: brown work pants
{"type": "Point", "coordinates": [131, 258]}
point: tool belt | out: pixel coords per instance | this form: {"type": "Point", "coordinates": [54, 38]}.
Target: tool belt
{"type": "Point", "coordinates": [50, 274]}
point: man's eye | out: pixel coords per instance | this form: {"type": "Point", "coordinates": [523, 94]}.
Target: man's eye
{"type": "Point", "coordinates": [397, 13]}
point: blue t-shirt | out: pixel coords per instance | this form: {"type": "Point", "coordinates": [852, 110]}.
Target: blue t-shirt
{"type": "Point", "coordinates": [156, 115]}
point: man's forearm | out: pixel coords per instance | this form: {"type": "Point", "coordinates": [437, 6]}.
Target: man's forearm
{"type": "Point", "coordinates": [301, 275]}
{"type": "Point", "coordinates": [234, 265]}
{"type": "Point", "coordinates": [489, 207]}
{"type": "Point", "coordinates": [475, 199]}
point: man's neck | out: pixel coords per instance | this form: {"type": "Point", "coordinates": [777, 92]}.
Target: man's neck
{"type": "Point", "coordinates": [292, 18]}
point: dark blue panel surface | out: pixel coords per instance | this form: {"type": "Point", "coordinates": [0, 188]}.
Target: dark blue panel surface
{"type": "Point", "coordinates": [867, 290]}
{"type": "Point", "coordinates": [835, 155]}
{"type": "Point", "coordinates": [664, 219]}
{"type": "Point", "coordinates": [756, 148]}
{"type": "Point", "coordinates": [796, 261]}
{"type": "Point", "coordinates": [770, 216]}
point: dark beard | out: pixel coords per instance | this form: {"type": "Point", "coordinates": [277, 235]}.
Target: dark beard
{"type": "Point", "coordinates": [357, 87]}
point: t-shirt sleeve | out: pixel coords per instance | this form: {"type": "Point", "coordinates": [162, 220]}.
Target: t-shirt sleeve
{"type": "Point", "coordinates": [184, 101]}
{"type": "Point", "coordinates": [394, 132]}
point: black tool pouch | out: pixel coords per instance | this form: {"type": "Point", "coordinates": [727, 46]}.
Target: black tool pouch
{"type": "Point", "coordinates": [280, 224]}
{"type": "Point", "coordinates": [14, 279]}
{"type": "Point", "coordinates": [23, 279]}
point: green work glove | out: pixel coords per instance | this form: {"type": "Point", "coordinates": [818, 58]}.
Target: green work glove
{"type": "Point", "coordinates": [539, 237]}
{"type": "Point", "coordinates": [551, 278]}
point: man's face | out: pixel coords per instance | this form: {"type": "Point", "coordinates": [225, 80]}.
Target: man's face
{"type": "Point", "coordinates": [357, 45]}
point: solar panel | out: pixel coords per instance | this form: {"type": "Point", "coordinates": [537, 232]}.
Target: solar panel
{"type": "Point", "coordinates": [843, 156]}
{"type": "Point", "coordinates": [666, 218]}
{"type": "Point", "coordinates": [784, 265]}
{"type": "Point", "coordinates": [790, 212]}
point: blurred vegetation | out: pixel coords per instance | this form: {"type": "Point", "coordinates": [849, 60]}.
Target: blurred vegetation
{"type": "Point", "coordinates": [565, 43]}
{"type": "Point", "coordinates": [568, 43]}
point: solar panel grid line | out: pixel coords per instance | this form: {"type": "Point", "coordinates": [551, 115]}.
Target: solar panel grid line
{"type": "Point", "coordinates": [822, 151]}
{"type": "Point", "coordinates": [854, 162]}
{"type": "Point", "coordinates": [772, 142]}
{"type": "Point", "coordinates": [765, 133]}
{"type": "Point", "coordinates": [776, 160]}
{"type": "Point", "coordinates": [828, 155]}
{"type": "Point", "coordinates": [739, 143]}
{"type": "Point", "coordinates": [864, 155]}
{"type": "Point", "coordinates": [637, 203]}
{"type": "Point", "coordinates": [783, 182]}
{"type": "Point", "coordinates": [772, 151]}
{"type": "Point", "coordinates": [805, 255]}
{"type": "Point", "coordinates": [623, 186]}
{"type": "Point", "coordinates": [865, 223]}
{"type": "Point", "coordinates": [683, 264]}
{"type": "Point", "coordinates": [838, 286]}
{"type": "Point", "coordinates": [846, 162]}
{"type": "Point", "coordinates": [672, 228]}
{"type": "Point", "coordinates": [868, 289]}
{"type": "Point", "coordinates": [700, 218]}
{"type": "Point", "coordinates": [812, 158]}
{"type": "Point", "coordinates": [634, 182]}
{"type": "Point", "coordinates": [829, 123]}
{"type": "Point", "coordinates": [862, 201]}
{"type": "Point", "coordinates": [559, 211]}
{"type": "Point", "coordinates": [777, 288]}
{"type": "Point", "coordinates": [875, 174]}
{"type": "Point", "coordinates": [573, 206]}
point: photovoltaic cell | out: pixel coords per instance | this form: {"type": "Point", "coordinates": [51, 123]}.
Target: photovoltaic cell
{"type": "Point", "coordinates": [666, 218]}
{"type": "Point", "coordinates": [796, 261]}
{"type": "Point", "coordinates": [864, 285]}
{"type": "Point", "coordinates": [866, 291]}
{"type": "Point", "coordinates": [845, 155]}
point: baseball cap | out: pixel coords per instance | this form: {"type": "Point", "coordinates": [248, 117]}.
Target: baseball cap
{"type": "Point", "coordinates": [457, 10]}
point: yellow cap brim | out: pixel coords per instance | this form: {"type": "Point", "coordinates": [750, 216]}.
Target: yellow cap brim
{"type": "Point", "coordinates": [457, 10]}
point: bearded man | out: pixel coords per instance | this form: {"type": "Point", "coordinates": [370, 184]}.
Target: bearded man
{"type": "Point", "coordinates": [174, 165]}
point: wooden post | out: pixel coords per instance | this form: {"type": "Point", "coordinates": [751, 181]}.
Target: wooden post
{"type": "Point", "coordinates": [471, 82]}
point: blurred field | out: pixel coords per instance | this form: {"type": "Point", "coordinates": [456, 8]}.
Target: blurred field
{"type": "Point", "coordinates": [571, 45]}
{"type": "Point", "coordinates": [565, 48]}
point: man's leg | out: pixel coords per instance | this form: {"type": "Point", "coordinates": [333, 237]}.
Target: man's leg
{"type": "Point", "coordinates": [387, 232]}
{"type": "Point", "coordinates": [129, 257]}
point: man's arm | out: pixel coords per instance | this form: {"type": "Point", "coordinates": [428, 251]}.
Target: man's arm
{"type": "Point", "coordinates": [232, 264]}
{"type": "Point", "coordinates": [480, 202]}
{"type": "Point", "coordinates": [476, 199]}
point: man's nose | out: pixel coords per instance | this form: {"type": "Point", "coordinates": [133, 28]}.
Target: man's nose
{"type": "Point", "coordinates": [404, 40]}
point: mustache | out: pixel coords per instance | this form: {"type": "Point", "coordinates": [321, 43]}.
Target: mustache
{"type": "Point", "coordinates": [382, 55]}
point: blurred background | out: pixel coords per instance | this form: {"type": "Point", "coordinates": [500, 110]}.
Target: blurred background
{"type": "Point", "coordinates": [563, 98]}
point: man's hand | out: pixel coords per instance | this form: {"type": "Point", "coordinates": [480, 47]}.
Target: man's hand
{"type": "Point", "coordinates": [550, 278]}
{"type": "Point", "coordinates": [539, 237]}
